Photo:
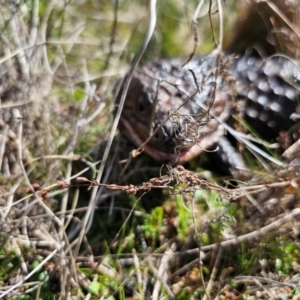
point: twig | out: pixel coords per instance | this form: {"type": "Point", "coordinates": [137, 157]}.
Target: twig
{"type": "Point", "coordinates": [252, 235]}
{"type": "Point", "coordinates": [282, 16]}
{"type": "Point", "coordinates": [138, 272]}
{"type": "Point", "coordinates": [34, 22]}
{"type": "Point", "coordinates": [164, 265]}
{"type": "Point", "coordinates": [214, 272]}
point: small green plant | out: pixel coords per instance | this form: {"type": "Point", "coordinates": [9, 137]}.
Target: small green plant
{"type": "Point", "coordinates": [38, 286]}
{"type": "Point", "coordinates": [9, 263]}
{"type": "Point", "coordinates": [153, 226]}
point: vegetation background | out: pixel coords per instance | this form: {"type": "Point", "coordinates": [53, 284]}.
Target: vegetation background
{"type": "Point", "coordinates": [68, 238]}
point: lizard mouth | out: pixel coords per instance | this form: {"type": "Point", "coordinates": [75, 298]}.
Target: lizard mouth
{"type": "Point", "coordinates": [184, 155]}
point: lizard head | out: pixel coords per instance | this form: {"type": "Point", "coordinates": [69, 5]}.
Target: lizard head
{"type": "Point", "coordinates": [162, 107]}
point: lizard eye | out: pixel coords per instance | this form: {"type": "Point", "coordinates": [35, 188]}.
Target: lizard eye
{"type": "Point", "coordinates": [141, 105]}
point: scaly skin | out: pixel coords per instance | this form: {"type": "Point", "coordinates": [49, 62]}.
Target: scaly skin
{"type": "Point", "coordinates": [269, 91]}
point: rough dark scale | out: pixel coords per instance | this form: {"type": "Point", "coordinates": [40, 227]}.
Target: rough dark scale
{"type": "Point", "coordinates": [269, 89]}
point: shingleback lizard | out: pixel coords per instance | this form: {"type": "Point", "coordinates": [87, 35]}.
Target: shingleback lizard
{"type": "Point", "coordinates": [171, 102]}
